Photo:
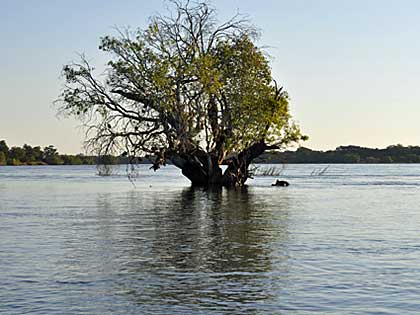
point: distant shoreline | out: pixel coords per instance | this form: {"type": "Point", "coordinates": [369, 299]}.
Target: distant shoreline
{"type": "Point", "coordinates": [394, 154]}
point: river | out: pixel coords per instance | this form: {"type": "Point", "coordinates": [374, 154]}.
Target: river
{"type": "Point", "coordinates": [340, 241]}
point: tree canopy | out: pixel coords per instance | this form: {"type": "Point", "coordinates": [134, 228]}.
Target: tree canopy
{"type": "Point", "coordinates": [186, 89]}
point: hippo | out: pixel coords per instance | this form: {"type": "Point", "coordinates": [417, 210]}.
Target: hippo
{"type": "Point", "coordinates": [281, 183]}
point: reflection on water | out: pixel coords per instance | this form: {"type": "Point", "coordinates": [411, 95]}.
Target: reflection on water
{"type": "Point", "coordinates": [216, 231]}
{"type": "Point", "coordinates": [344, 243]}
{"type": "Point", "coordinates": [212, 248]}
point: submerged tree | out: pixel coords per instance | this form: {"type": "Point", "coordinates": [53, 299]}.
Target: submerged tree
{"type": "Point", "coordinates": [186, 90]}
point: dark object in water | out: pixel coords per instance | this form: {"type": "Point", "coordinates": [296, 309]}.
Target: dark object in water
{"type": "Point", "coordinates": [281, 183]}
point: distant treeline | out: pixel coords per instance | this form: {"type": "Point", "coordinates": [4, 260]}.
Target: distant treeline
{"type": "Point", "coordinates": [28, 155]}
{"type": "Point", "coordinates": [346, 154]}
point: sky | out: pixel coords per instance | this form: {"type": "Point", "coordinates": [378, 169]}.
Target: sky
{"type": "Point", "coordinates": [352, 68]}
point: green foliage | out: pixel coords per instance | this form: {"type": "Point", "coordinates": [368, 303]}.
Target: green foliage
{"type": "Point", "coordinates": [51, 156]}
{"type": "Point", "coordinates": [347, 154]}
{"type": "Point", "coordinates": [3, 158]}
{"type": "Point", "coordinates": [32, 154]}
{"type": "Point", "coordinates": [28, 155]}
{"type": "Point", "coordinates": [71, 159]}
{"type": "Point", "coordinates": [182, 85]}
{"type": "Point", "coordinates": [255, 111]}
{"type": "Point", "coordinates": [3, 147]}
{"type": "Point", "coordinates": [107, 160]}
{"type": "Point", "coordinates": [14, 162]}
{"type": "Point", "coordinates": [16, 154]}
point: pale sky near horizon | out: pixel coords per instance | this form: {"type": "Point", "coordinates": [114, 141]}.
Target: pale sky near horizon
{"type": "Point", "coordinates": [351, 68]}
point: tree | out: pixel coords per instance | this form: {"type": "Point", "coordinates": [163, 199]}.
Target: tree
{"type": "Point", "coordinates": [185, 90]}
{"type": "Point", "coordinates": [3, 159]}
{"type": "Point", "coordinates": [351, 158]}
{"type": "Point", "coordinates": [32, 154]}
{"type": "Point", "coordinates": [16, 155]}
{"type": "Point", "coordinates": [4, 151]}
{"type": "Point", "coordinates": [51, 156]}
{"type": "Point", "coordinates": [4, 148]}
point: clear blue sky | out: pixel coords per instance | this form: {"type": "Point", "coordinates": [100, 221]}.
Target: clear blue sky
{"type": "Point", "coordinates": [352, 68]}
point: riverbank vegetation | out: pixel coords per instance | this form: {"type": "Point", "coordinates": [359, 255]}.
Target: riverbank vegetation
{"type": "Point", "coordinates": [346, 154]}
{"type": "Point", "coordinates": [28, 155]}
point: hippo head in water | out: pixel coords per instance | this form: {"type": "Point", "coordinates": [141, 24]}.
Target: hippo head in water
{"type": "Point", "coordinates": [282, 183]}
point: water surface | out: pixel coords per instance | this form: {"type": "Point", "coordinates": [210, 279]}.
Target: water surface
{"type": "Point", "coordinates": [345, 242]}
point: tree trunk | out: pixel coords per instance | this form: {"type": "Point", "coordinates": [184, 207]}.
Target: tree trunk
{"type": "Point", "coordinates": [237, 172]}
{"type": "Point", "coordinates": [202, 169]}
